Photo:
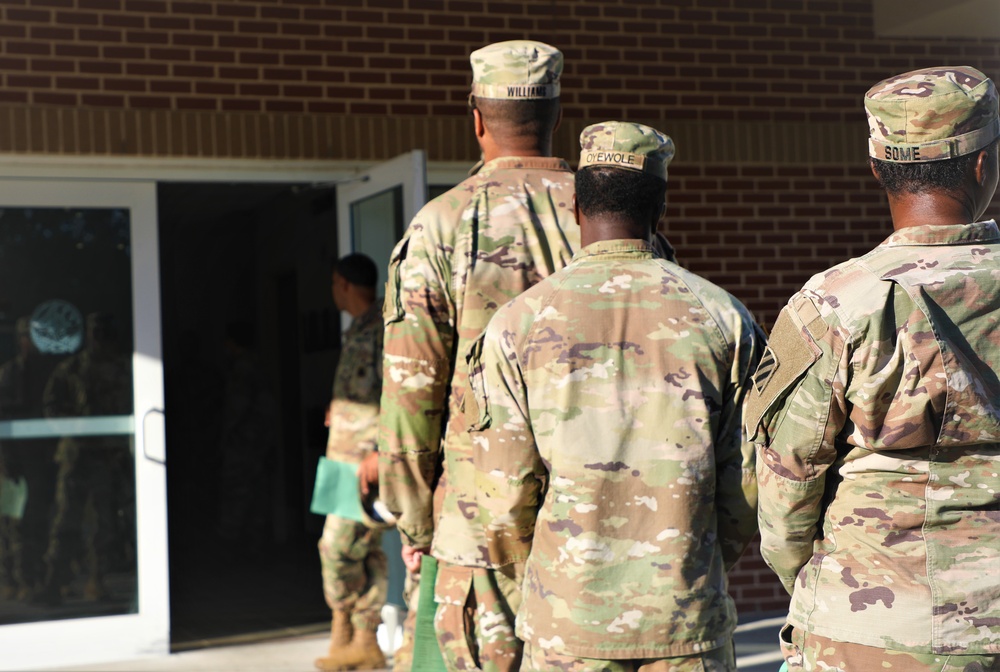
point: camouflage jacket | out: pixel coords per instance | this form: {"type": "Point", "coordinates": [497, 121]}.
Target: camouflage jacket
{"type": "Point", "coordinates": [465, 254]}
{"type": "Point", "coordinates": [609, 454]}
{"type": "Point", "coordinates": [876, 415]}
{"type": "Point", "coordinates": [357, 387]}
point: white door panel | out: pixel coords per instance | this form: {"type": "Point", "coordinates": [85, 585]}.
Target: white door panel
{"type": "Point", "coordinates": [84, 575]}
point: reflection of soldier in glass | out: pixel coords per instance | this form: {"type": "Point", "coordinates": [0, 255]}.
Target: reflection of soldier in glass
{"type": "Point", "coordinates": [23, 540]}
{"type": "Point", "coordinates": [94, 506]}
{"type": "Point", "coordinates": [247, 443]}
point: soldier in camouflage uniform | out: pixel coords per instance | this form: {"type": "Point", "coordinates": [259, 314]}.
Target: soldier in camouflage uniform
{"type": "Point", "coordinates": [466, 253]}
{"type": "Point", "coordinates": [355, 571]}
{"type": "Point", "coordinates": [604, 403]}
{"type": "Point", "coordinates": [95, 473]}
{"type": "Point", "coordinates": [876, 410]}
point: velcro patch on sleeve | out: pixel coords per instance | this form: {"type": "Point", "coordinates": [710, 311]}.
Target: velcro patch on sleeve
{"type": "Point", "coordinates": [789, 354]}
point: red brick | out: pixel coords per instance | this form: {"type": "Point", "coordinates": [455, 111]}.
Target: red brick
{"type": "Point", "coordinates": [15, 97]}
{"type": "Point", "coordinates": [115, 84]}
{"type": "Point", "coordinates": [191, 7]}
{"type": "Point", "coordinates": [123, 21]}
{"type": "Point", "coordinates": [147, 6]}
{"type": "Point", "coordinates": [103, 67]}
{"type": "Point", "coordinates": [52, 34]}
{"type": "Point", "coordinates": [149, 102]}
{"type": "Point", "coordinates": [214, 56]}
{"type": "Point", "coordinates": [169, 23]}
{"type": "Point", "coordinates": [240, 105]}
{"type": "Point", "coordinates": [29, 81]}
{"type": "Point", "coordinates": [52, 65]}
{"type": "Point", "coordinates": [77, 18]}
{"type": "Point", "coordinates": [169, 86]}
{"type": "Point", "coordinates": [29, 15]}
{"type": "Point", "coordinates": [193, 71]}
{"type": "Point", "coordinates": [47, 98]}
{"type": "Point", "coordinates": [29, 48]}
{"type": "Point", "coordinates": [284, 106]}
{"type": "Point", "coordinates": [106, 5]}
{"type": "Point", "coordinates": [203, 104]}
{"type": "Point", "coordinates": [102, 100]}
{"type": "Point", "coordinates": [191, 40]}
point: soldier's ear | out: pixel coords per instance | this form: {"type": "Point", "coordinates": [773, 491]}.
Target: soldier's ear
{"type": "Point", "coordinates": [982, 167]}
{"type": "Point", "coordinates": [477, 120]}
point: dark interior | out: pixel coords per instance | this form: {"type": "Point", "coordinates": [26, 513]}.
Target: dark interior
{"type": "Point", "coordinates": [250, 342]}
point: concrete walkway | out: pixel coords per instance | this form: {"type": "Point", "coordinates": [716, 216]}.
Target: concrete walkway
{"type": "Point", "coordinates": [756, 650]}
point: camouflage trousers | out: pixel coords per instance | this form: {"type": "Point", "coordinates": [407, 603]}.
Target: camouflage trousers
{"type": "Point", "coordinates": [804, 651]}
{"type": "Point", "coordinates": [84, 528]}
{"type": "Point", "coordinates": [722, 659]}
{"type": "Point", "coordinates": [475, 619]}
{"type": "Point", "coordinates": [402, 660]}
{"type": "Point", "coordinates": [355, 571]}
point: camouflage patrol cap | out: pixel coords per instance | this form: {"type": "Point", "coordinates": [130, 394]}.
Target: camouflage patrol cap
{"type": "Point", "coordinates": [622, 144]}
{"type": "Point", "coordinates": [516, 70]}
{"type": "Point", "coordinates": [931, 115]}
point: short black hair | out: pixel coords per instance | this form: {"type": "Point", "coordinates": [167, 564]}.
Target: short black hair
{"type": "Point", "coordinates": [358, 269]}
{"type": "Point", "coordinates": [913, 178]}
{"type": "Point", "coordinates": [518, 118]}
{"type": "Point", "coordinates": [628, 194]}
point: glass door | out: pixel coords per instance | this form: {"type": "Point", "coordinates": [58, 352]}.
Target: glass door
{"type": "Point", "coordinates": [374, 209]}
{"type": "Point", "coordinates": [372, 213]}
{"type": "Point", "coordinates": [83, 554]}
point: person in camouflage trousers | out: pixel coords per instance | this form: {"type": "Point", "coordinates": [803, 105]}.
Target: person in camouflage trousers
{"type": "Point", "coordinates": [604, 406]}
{"type": "Point", "coordinates": [466, 253]}
{"type": "Point", "coordinates": [355, 571]}
{"type": "Point", "coordinates": [876, 410]}
{"type": "Point", "coordinates": [95, 475]}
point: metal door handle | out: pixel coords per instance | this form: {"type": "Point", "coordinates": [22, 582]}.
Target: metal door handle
{"type": "Point", "coordinates": [153, 425]}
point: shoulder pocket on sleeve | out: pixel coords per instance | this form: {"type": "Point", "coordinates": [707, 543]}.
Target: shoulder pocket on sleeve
{"type": "Point", "coordinates": [392, 308]}
{"type": "Point", "coordinates": [789, 354]}
{"type": "Point", "coordinates": [476, 402]}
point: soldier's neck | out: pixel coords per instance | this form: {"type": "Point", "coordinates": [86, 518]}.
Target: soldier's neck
{"type": "Point", "coordinates": [499, 149]}
{"type": "Point", "coordinates": [602, 227]}
{"type": "Point", "coordinates": [934, 208]}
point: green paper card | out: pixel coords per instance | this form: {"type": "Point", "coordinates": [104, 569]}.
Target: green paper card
{"type": "Point", "coordinates": [13, 497]}
{"type": "Point", "coordinates": [426, 650]}
{"type": "Point", "coordinates": [336, 491]}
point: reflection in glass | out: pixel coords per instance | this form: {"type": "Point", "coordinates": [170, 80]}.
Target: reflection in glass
{"type": "Point", "coordinates": [67, 484]}
{"type": "Point", "coordinates": [377, 224]}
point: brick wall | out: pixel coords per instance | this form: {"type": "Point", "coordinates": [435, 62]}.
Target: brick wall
{"type": "Point", "coordinates": [710, 60]}
{"type": "Point", "coordinates": [762, 96]}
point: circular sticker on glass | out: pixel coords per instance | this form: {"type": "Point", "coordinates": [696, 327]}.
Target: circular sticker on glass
{"type": "Point", "coordinates": [57, 327]}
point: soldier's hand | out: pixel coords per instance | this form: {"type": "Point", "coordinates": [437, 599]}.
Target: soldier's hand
{"type": "Point", "coordinates": [368, 473]}
{"type": "Point", "coordinates": [411, 557]}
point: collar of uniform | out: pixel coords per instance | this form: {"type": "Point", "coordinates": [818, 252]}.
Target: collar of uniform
{"type": "Point", "coordinates": [616, 247]}
{"type": "Point", "coordinates": [523, 163]}
{"type": "Point", "coordinates": [980, 232]}
{"type": "Point", "coordinates": [368, 317]}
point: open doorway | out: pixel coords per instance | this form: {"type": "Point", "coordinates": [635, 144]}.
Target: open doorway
{"type": "Point", "coordinates": [250, 343]}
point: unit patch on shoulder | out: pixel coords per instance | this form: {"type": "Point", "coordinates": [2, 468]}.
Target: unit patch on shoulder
{"type": "Point", "coordinates": [789, 354]}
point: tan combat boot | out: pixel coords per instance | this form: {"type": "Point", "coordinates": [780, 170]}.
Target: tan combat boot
{"type": "Point", "coordinates": [341, 634]}
{"type": "Point", "coordinates": [362, 654]}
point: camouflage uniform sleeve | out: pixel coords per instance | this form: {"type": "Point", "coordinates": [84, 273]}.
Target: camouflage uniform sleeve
{"type": "Point", "coordinates": [794, 413]}
{"type": "Point", "coordinates": [736, 480]}
{"type": "Point", "coordinates": [511, 477]}
{"type": "Point", "coordinates": [417, 345]}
